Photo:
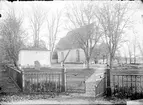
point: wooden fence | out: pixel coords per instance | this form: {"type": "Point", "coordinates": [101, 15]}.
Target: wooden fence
{"type": "Point", "coordinates": [129, 86]}
{"type": "Point", "coordinates": [33, 81]}
{"type": "Point", "coordinates": [42, 82]}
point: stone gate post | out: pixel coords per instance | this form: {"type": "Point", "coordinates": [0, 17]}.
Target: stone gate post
{"type": "Point", "coordinates": [63, 79]}
{"type": "Point", "coordinates": [108, 89]}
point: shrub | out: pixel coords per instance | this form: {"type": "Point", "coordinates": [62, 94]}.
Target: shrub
{"type": "Point", "coordinates": [127, 92]}
{"type": "Point", "coordinates": [42, 87]}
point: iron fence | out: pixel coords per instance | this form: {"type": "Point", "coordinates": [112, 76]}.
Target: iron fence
{"type": "Point", "coordinates": [130, 86]}
{"type": "Point", "coordinates": [45, 81]}
{"type": "Point", "coordinates": [42, 82]}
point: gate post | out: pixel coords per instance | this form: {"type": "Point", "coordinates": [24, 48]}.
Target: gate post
{"type": "Point", "coordinates": [63, 79]}
{"type": "Point", "coordinates": [108, 82]}
{"type": "Point", "coordinates": [23, 81]}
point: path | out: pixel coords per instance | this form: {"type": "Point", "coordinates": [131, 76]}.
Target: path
{"type": "Point", "coordinates": [60, 100]}
{"type": "Point", "coordinates": [6, 83]}
{"type": "Point", "coordinates": [93, 80]}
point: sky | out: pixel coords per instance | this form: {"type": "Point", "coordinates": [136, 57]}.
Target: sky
{"type": "Point", "coordinates": [24, 9]}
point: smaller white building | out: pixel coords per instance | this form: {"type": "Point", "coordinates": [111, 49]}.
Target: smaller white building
{"type": "Point", "coordinates": [27, 58]}
{"type": "Point", "coordinates": [74, 56]}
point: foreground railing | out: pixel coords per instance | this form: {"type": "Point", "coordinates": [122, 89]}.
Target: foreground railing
{"type": "Point", "coordinates": [100, 88]}
{"type": "Point", "coordinates": [35, 81]}
{"type": "Point", "coordinates": [41, 82]}
{"type": "Point", "coordinates": [128, 86]}
{"type": "Point", "coordinates": [15, 75]}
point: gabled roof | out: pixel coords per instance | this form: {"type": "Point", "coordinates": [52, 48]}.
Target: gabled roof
{"type": "Point", "coordinates": [69, 41]}
{"type": "Point", "coordinates": [65, 44]}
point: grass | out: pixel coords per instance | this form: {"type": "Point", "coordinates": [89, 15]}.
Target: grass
{"type": "Point", "coordinates": [71, 72]}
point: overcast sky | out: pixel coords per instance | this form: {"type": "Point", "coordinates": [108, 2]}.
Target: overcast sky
{"type": "Point", "coordinates": [24, 9]}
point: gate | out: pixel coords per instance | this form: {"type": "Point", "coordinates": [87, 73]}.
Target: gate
{"type": "Point", "coordinates": [130, 86]}
{"type": "Point", "coordinates": [75, 83]}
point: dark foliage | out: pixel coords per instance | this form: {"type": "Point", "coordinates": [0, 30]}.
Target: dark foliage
{"type": "Point", "coordinates": [127, 92]}
{"type": "Point", "coordinates": [42, 87]}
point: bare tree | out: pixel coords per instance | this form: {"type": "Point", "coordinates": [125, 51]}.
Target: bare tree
{"type": "Point", "coordinates": [114, 20]}
{"type": "Point", "coordinates": [79, 14]}
{"type": "Point", "coordinates": [118, 57]}
{"type": "Point", "coordinates": [53, 29]}
{"type": "Point", "coordinates": [86, 32]}
{"type": "Point", "coordinates": [140, 44]}
{"type": "Point", "coordinates": [103, 50]}
{"type": "Point", "coordinates": [126, 58]}
{"type": "Point", "coordinates": [125, 55]}
{"type": "Point", "coordinates": [12, 37]}
{"type": "Point", "coordinates": [129, 52]}
{"type": "Point", "coordinates": [2, 52]}
{"type": "Point", "coordinates": [42, 43]}
{"type": "Point", "coordinates": [37, 20]}
{"type": "Point", "coordinates": [134, 42]}
{"type": "Point", "coordinates": [141, 48]}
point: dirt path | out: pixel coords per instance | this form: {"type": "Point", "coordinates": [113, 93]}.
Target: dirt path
{"type": "Point", "coordinates": [71, 101]}
{"type": "Point", "coordinates": [60, 100]}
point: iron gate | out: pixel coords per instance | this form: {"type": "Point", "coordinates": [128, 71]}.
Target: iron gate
{"type": "Point", "coordinates": [75, 83]}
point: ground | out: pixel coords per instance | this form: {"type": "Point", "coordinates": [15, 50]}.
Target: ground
{"type": "Point", "coordinates": [60, 99]}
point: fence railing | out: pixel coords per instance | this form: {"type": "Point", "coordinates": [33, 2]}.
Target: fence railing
{"type": "Point", "coordinates": [100, 88]}
{"type": "Point", "coordinates": [15, 75]}
{"type": "Point", "coordinates": [128, 85]}
{"type": "Point", "coordinates": [42, 82]}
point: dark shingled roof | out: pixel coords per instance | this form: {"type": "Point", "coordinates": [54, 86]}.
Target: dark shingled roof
{"type": "Point", "coordinates": [68, 42]}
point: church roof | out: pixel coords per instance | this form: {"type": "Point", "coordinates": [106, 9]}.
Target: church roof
{"type": "Point", "coordinates": [69, 41]}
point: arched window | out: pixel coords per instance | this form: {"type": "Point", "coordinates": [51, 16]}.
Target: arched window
{"type": "Point", "coordinates": [77, 56]}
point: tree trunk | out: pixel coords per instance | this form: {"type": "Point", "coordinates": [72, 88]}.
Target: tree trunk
{"type": "Point", "coordinates": [103, 59]}
{"type": "Point", "coordinates": [130, 60]}
{"type": "Point", "coordinates": [51, 56]}
{"type": "Point", "coordinates": [126, 60]}
{"type": "Point", "coordinates": [87, 62]}
{"type": "Point", "coordinates": [111, 61]}
{"type": "Point", "coordinates": [134, 60]}
{"type": "Point", "coordinates": [108, 89]}
{"type": "Point", "coordinates": [15, 64]}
